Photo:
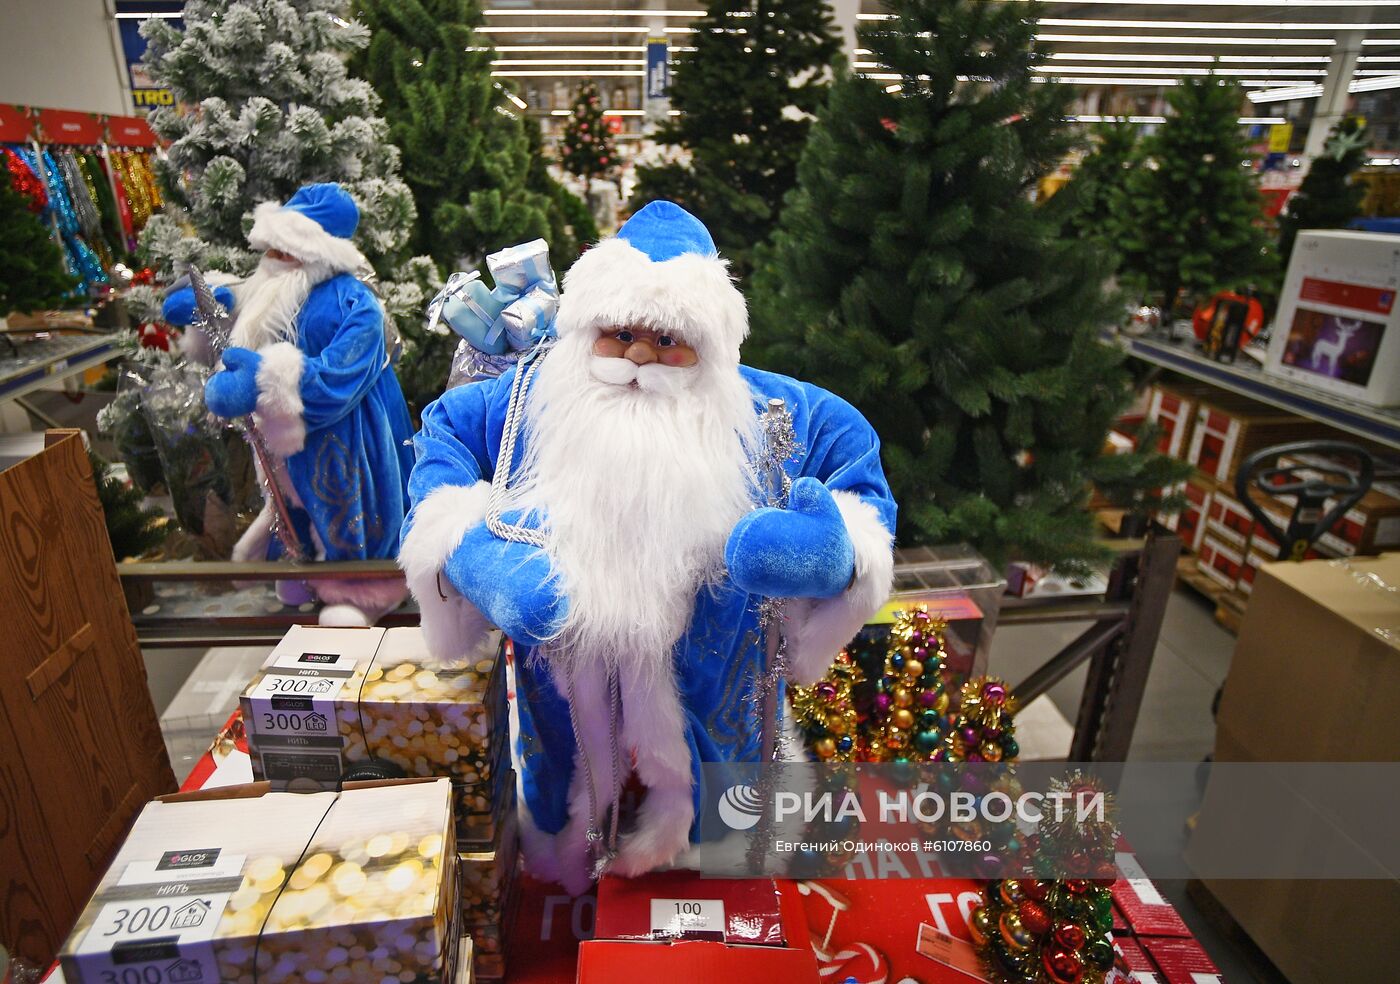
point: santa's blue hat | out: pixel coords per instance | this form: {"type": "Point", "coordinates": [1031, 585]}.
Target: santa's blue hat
{"type": "Point", "coordinates": [315, 226]}
{"type": "Point", "coordinates": [664, 230]}
{"type": "Point", "coordinates": [661, 269]}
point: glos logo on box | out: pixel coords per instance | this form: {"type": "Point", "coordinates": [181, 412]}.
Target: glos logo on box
{"type": "Point", "coordinates": [177, 860]}
{"type": "Point", "coordinates": [317, 658]}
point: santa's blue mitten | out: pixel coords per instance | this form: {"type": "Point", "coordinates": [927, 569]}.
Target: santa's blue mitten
{"type": "Point", "coordinates": [802, 551]}
{"type": "Point", "coordinates": [510, 583]}
{"type": "Point", "coordinates": [234, 391]}
{"type": "Point", "coordinates": [179, 307]}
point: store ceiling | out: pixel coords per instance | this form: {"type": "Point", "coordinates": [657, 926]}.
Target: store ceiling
{"type": "Point", "coordinates": [1097, 44]}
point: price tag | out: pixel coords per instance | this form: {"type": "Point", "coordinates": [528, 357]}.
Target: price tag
{"type": "Point", "coordinates": [949, 951]}
{"type": "Point", "coordinates": [688, 917]}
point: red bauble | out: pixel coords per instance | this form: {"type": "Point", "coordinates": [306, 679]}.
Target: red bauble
{"type": "Point", "coordinates": [1077, 886]}
{"type": "Point", "coordinates": [1062, 966]}
{"type": "Point", "coordinates": [1068, 936]}
{"type": "Point", "coordinates": [1035, 917]}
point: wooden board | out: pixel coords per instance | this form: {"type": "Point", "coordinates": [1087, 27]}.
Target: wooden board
{"type": "Point", "coordinates": [80, 744]}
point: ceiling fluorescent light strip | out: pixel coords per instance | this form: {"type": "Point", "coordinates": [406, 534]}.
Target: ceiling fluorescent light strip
{"type": "Point", "coordinates": [1188, 25]}
{"type": "Point", "coordinates": [1313, 91]}
{"type": "Point", "coordinates": [1159, 70]}
{"type": "Point", "coordinates": [603, 62]}
{"type": "Point", "coordinates": [565, 29]}
{"type": "Point", "coordinates": [1202, 40]}
{"type": "Point", "coordinates": [1199, 59]}
{"type": "Point", "coordinates": [521, 48]}
{"type": "Point", "coordinates": [516, 74]}
{"type": "Point", "coordinates": [589, 12]}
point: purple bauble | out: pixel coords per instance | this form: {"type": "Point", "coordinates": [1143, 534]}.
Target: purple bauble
{"type": "Point", "coordinates": [882, 701]}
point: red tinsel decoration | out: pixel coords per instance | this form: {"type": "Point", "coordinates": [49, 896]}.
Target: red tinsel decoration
{"type": "Point", "coordinates": [26, 182]}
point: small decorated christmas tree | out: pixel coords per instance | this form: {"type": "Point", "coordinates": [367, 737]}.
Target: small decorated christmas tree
{"type": "Point", "coordinates": [32, 276]}
{"type": "Point", "coordinates": [1328, 198]}
{"type": "Point", "coordinates": [587, 149]}
{"type": "Point", "coordinates": [1058, 927]}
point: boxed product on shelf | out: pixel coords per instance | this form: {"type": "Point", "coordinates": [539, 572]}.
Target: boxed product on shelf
{"type": "Point", "coordinates": [1182, 961]}
{"type": "Point", "coordinates": [1190, 522]}
{"type": "Point", "coordinates": [331, 700]}
{"type": "Point", "coordinates": [1140, 968]}
{"type": "Point", "coordinates": [1229, 520]}
{"type": "Point", "coordinates": [1228, 429]}
{"type": "Point", "coordinates": [1146, 911]}
{"type": "Point", "coordinates": [1220, 561]}
{"type": "Point", "coordinates": [244, 884]}
{"type": "Point", "coordinates": [1310, 624]}
{"type": "Point", "coordinates": [1336, 325]}
{"type": "Point", "coordinates": [1172, 407]}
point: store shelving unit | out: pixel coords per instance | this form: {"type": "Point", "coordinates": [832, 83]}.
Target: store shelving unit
{"type": "Point", "coordinates": [1381, 425]}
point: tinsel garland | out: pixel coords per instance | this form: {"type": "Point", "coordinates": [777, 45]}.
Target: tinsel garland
{"type": "Point", "coordinates": [26, 182]}
{"type": "Point", "coordinates": [139, 183]}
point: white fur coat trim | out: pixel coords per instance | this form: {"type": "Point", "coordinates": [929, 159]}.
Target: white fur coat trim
{"type": "Point", "coordinates": [818, 628]}
{"type": "Point", "coordinates": [279, 410]}
{"type": "Point", "coordinates": [452, 625]}
{"type": "Point", "coordinates": [275, 227]}
{"type": "Point", "coordinates": [614, 283]}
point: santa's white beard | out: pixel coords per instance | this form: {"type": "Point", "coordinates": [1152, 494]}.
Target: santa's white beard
{"type": "Point", "coordinates": [639, 488]}
{"type": "Point", "coordinates": [269, 301]}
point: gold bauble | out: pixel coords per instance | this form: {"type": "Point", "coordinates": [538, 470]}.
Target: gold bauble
{"type": "Point", "coordinates": [903, 697]}
{"type": "Point", "coordinates": [824, 747]}
{"type": "Point", "coordinates": [941, 705]}
{"type": "Point", "coordinates": [902, 718]}
{"type": "Point", "coordinates": [913, 669]}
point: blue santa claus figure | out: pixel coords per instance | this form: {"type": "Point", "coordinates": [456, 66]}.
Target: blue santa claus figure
{"type": "Point", "coordinates": [309, 359]}
{"type": "Point", "coordinates": [626, 547]}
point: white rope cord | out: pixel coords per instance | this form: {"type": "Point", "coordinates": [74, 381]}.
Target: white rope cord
{"type": "Point", "coordinates": [500, 481]}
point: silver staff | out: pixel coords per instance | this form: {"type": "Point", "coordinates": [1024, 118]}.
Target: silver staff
{"type": "Point", "coordinates": [214, 321]}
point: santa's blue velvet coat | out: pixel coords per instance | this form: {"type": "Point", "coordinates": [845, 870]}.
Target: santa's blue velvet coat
{"type": "Point", "coordinates": [352, 473]}
{"type": "Point", "coordinates": [722, 655]}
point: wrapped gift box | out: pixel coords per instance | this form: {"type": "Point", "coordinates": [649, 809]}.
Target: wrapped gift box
{"type": "Point", "coordinates": [208, 883]}
{"type": "Point", "coordinates": [1182, 962]}
{"type": "Point", "coordinates": [331, 700]}
{"type": "Point", "coordinates": [487, 882]}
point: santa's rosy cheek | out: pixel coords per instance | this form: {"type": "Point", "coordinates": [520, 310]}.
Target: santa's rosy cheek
{"type": "Point", "coordinates": [609, 348]}
{"type": "Point", "coordinates": [677, 356]}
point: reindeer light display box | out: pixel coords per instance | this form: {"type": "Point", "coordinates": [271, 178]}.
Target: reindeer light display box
{"type": "Point", "coordinates": [1337, 326]}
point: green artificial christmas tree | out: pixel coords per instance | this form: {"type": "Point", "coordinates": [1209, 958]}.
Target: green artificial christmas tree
{"type": "Point", "coordinates": [1193, 219]}
{"type": "Point", "coordinates": [587, 149]}
{"type": "Point", "coordinates": [265, 105]}
{"type": "Point", "coordinates": [132, 529]}
{"type": "Point", "coordinates": [1094, 196]}
{"type": "Point", "coordinates": [746, 93]}
{"type": "Point", "coordinates": [572, 227]}
{"type": "Point", "coordinates": [465, 152]}
{"type": "Point", "coordinates": [1328, 198]}
{"type": "Point", "coordinates": [32, 275]}
{"type": "Point", "coordinates": [911, 274]}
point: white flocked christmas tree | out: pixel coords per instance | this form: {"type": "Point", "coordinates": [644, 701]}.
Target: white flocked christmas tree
{"type": "Point", "coordinates": [264, 106]}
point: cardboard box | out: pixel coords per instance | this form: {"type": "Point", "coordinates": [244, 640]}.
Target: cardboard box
{"type": "Point", "coordinates": [206, 883]}
{"type": "Point", "coordinates": [682, 905]}
{"type": "Point", "coordinates": [1341, 619]}
{"type": "Point", "coordinates": [1229, 429]}
{"type": "Point", "coordinates": [1190, 522]}
{"type": "Point", "coordinates": [1182, 962]}
{"type": "Point", "coordinates": [1220, 561]}
{"type": "Point", "coordinates": [1338, 327]}
{"type": "Point", "coordinates": [1172, 407]}
{"type": "Point", "coordinates": [1228, 520]}
{"type": "Point", "coordinates": [331, 700]}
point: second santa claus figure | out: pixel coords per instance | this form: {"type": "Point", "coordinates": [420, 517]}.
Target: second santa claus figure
{"type": "Point", "coordinates": [629, 552]}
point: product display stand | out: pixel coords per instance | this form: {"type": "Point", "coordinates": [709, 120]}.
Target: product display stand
{"type": "Point", "coordinates": [1118, 646]}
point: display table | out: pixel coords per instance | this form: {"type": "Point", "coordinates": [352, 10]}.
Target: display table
{"type": "Point", "coordinates": [37, 363]}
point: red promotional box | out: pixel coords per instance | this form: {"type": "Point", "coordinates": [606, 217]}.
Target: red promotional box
{"type": "Point", "coordinates": [1190, 523]}
{"type": "Point", "coordinates": [1182, 962]}
{"type": "Point", "coordinates": [1142, 905]}
{"type": "Point", "coordinates": [668, 905]}
{"type": "Point", "coordinates": [1140, 968]}
{"type": "Point", "coordinates": [1228, 430]}
{"type": "Point", "coordinates": [1172, 407]}
{"type": "Point", "coordinates": [615, 961]}
{"type": "Point", "coordinates": [1229, 520]}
